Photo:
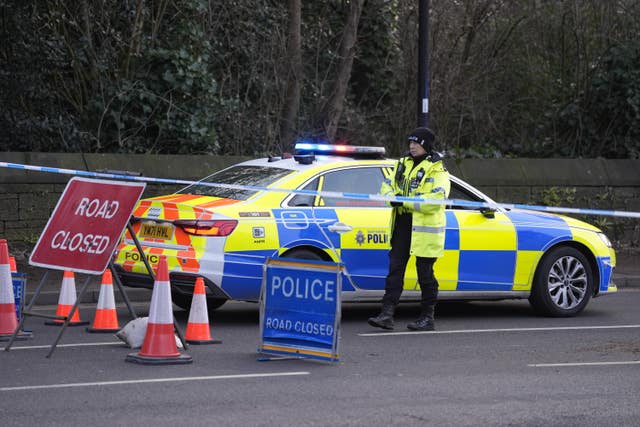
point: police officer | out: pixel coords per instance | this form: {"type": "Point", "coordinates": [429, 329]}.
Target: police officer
{"type": "Point", "coordinates": [417, 228]}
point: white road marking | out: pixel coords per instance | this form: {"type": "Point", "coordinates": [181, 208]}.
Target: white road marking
{"type": "Point", "coordinates": [86, 344]}
{"type": "Point", "coordinates": [562, 365]}
{"type": "Point", "coordinates": [154, 380]}
{"type": "Point", "coordinates": [475, 331]}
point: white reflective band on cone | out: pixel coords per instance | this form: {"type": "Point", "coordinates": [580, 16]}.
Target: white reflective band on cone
{"type": "Point", "coordinates": [68, 291]}
{"type": "Point", "coordinates": [106, 299]}
{"type": "Point", "coordinates": [6, 285]}
{"type": "Point", "coordinates": [161, 311]}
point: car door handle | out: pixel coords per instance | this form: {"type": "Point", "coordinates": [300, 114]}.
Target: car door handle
{"type": "Point", "coordinates": [339, 227]}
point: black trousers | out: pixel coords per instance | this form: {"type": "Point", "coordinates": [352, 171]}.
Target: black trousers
{"type": "Point", "coordinates": [398, 259]}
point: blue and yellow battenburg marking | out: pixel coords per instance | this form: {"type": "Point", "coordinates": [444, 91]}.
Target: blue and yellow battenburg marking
{"type": "Point", "coordinates": [503, 263]}
{"type": "Point", "coordinates": [506, 262]}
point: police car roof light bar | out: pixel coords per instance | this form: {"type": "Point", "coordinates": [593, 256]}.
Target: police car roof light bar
{"type": "Point", "coordinates": [317, 148]}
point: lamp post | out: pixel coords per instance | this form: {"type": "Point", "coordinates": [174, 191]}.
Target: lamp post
{"type": "Point", "coordinates": [423, 63]}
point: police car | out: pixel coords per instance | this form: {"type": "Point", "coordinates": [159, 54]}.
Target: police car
{"type": "Point", "coordinates": [224, 227]}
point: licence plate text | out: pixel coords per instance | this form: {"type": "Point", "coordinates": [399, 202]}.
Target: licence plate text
{"type": "Point", "coordinates": [156, 231]}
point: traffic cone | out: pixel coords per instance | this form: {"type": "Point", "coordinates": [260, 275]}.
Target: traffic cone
{"type": "Point", "coordinates": [66, 301]}
{"type": "Point", "coordinates": [106, 318]}
{"type": "Point", "coordinates": [198, 331]}
{"type": "Point", "coordinates": [159, 345]}
{"type": "Point", "coordinates": [12, 265]}
{"type": "Point", "coordinates": [8, 319]}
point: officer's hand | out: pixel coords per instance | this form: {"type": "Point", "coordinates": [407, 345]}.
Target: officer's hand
{"type": "Point", "coordinates": [396, 204]}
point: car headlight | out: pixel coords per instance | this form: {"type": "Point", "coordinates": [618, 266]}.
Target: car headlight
{"type": "Point", "coordinates": [605, 239]}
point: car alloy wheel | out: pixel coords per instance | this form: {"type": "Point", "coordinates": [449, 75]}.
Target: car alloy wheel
{"type": "Point", "coordinates": [567, 282]}
{"type": "Point", "coordinates": [563, 283]}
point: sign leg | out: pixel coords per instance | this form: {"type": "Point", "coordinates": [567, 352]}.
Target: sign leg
{"type": "Point", "coordinates": [125, 297]}
{"type": "Point", "coordinates": [69, 316]}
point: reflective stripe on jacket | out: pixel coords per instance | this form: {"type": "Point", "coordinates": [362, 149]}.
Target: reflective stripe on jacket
{"type": "Point", "coordinates": [427, 180]}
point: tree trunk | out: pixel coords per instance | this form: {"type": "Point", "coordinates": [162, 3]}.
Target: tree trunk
{"type": "Point", "coordinates": [335, 104]}
{"type": "Point", "coordinates": [294, 77]}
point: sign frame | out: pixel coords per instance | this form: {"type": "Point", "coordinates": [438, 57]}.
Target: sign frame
{"type": "Point", "coordinates": [290, 339]}
{"type": "Point", "coordinates": [94, 216]}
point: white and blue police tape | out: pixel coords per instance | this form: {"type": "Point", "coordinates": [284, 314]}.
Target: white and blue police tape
{"type": "Point", "coordinates": [333, 194]}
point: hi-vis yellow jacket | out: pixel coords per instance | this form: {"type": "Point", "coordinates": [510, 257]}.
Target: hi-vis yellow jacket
{"type": "Point", "coordinates": [428, 179]}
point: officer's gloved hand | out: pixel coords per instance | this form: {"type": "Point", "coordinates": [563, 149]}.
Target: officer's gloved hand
{"type": "Point", "coordinates": [396, 204]}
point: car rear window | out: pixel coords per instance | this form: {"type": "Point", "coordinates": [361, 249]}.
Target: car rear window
{"type": "Point", "coordinates": [253, 176]}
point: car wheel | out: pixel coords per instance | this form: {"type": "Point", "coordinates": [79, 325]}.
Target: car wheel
{"type": "Point", "coordinates": [184, 301]}
{"type": "Point", "coordinates": [563, 283]}
{"type": "Point", "coordinates": [302, 254]}
{"type": "Point", "coordinates": [181, 300]}
{"type": "Point", "coordinates": [214, 303]}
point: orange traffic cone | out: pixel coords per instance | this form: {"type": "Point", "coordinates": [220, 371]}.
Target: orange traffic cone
{"type": "Point", "coordinates": [12, 265]}
{"type": "Point", "coordinates": [159, 345]}
{"type": "Point", "coordinates": [106, 318]}
{"type": "Point", "coordinates": [198, 331]}
{"type": "Point", "coordinates": [8, 319]}
{"type": "Point", "coordinates": [66, 301]}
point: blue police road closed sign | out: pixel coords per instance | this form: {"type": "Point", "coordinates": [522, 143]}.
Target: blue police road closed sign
{"type": "Point", "coordinates": [300, 309]}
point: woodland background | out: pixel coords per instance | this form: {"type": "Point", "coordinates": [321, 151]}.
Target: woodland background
{"type": "Point", "coordinates": [508, 78]}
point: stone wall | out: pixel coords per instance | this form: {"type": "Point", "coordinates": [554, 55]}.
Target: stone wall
{"type": "Point", "coordinates": [27, 198]}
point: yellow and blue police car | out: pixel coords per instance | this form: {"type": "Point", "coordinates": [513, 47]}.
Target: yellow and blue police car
{"type": "Point", "coordinates": [224, 228]}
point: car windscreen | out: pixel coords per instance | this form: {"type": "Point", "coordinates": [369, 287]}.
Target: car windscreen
{"type": "Point", "coordinates": [253, 176]}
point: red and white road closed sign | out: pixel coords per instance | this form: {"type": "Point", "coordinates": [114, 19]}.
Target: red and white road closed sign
{"type": "Point", "coordinates": [86, 225]}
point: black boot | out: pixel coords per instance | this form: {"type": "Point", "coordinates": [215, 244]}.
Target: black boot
{"type": "Point", "coordinates": [425, 321]}
{"type": "Point", "coordinates": [383, 320]}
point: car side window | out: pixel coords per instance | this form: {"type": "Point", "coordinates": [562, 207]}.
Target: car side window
{"type": "Point", "coordinates": [304, 199]}
{"type": "Point", "coordinates": [459, 193]}
{"type": "Point", "coordinates": [362, 180]}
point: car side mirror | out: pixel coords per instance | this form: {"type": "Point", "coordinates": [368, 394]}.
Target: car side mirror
{"type": "Point", "coordinates": [488, 212]}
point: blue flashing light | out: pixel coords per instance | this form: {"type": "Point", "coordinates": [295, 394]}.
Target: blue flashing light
{"type": "Point", "coordinates": [309, 146]}
{"type": "Point", "coordinates": [321, 148]}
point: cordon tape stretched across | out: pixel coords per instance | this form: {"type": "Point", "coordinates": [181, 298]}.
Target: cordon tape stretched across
{"type": "Point", "coordinates": [334, 194]}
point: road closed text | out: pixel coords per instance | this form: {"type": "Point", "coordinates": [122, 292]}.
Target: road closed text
{"type": "Point", "coordinates": [96, 208]}
{"type": "Point", "coordinates": [299, 326]}
{"type": "Point", "coordinates": [79, 242]}
{"type": "Point", "coordinates": [83, 242]}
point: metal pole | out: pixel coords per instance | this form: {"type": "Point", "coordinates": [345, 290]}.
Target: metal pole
{"type": "Point", "coordinates": [125, 298]}
{"type": "Point", "coordinates": [69, 316]}
{"type": "Point", "coordinates": [143, 256]}
{"type": "Point", "coordinates": [423, 63]}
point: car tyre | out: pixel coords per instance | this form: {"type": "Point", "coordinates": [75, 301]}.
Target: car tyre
{"type": "Point", "coordinates": [563, 283]}
{"type": "Point", "coordinates": [303, 254]}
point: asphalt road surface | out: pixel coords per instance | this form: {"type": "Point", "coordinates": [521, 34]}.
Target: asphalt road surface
{"type": "Point", "coordinates": [488, 363]}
